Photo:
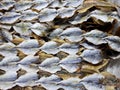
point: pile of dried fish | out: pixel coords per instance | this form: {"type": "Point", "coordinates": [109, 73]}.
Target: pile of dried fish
{"type": "Point", "coordinates": [59, 45]}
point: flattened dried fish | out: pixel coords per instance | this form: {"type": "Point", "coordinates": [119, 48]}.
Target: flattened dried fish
{"type": "Point", "coordinates": [59, 44]}
{"type": "Point", "coordinates": [56, 33]}
{"type": "Point", "coordinates": [92, 82]}
{"type": "Point", "coordinates": [28, 68]}
{"type": "Point", "coordinates": [71, 84]}
{"type": "Point", "coordinates": [29, 47]}
{"type": "Point", "coordinates": [6, 35]}
{"type": "Point", "coordinates": [29, 44]}
{"type": "Point", "coordinates": [27, 80]}
{"type": "Point", "coordinates": [9, 19]}
{"type": "Point", "coordinates": [113, 42]}
{"type": "Point", "coordinates": [29, 59]}
{"type": "Point", "coordinates": [29, 15]}
{"type": "Point", "coordinates": [6, 85]}
{"type": "Point", "coordinates": [57, 4]}
{"type": "Point", "coordinates": [31, 75]}
{"type": "Point", "coordinates": [93, 56]}
{"type": "Point", "coordinates": [50, 79]}
{"type": "Point", "coordinates": [23, 5]}
{"type": "Point", "coordinates": [8, 49]}
{"type": "Point", "coordinates": [103, 16]}
{"type": "Point", "coordinates": [50, 47]}
{"type": "Point", "coordinates": [50, 83]}
{"type": "Point", "coordinates": [40, 4]}
{"type": "Point", "coordinates": [47, 15]}
{"type": "Point", "coordinates": [22, 28]}
{"type": "Point", "coordinates": [114, 67]}
{"type": "Point", "coordinates": [38, 28]}
{"type": "Point", "coordinates": [6, 5]}
{"type": "Point", "coordinates": [74, 3]}
{"type": "Point", "coordinates": [70, 63]}
{"type": "Point", "coordinates": [29, 51]}
{"type": "Point", "coordinates": [73, 34]}
{"type": "Point", "coordinates": [78, 19]}
{"type": "Point", "coordinates": [66, 12]}
{"type": "Point", "coordinates": [95, 37]}
{"type": "Point", "coordinates": [10, 74]}
{"type": "Point", "coordinates": [69, 48]}
{"type": "Point", "coordinates": [50, 65]}
{"type": "Point", "coordinates": [9, 60]}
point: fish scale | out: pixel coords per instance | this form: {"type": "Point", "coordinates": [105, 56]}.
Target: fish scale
{"type": "Point", "coordinates": [44, 45]}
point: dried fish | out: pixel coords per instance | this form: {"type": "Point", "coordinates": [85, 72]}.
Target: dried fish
{"type": "Point", "coordinates": [88, 45]}
{"type": "Point", "coordinates": [50, 83]}
{"type": "Point", "coordinates": [29, 44]}
{"type": "Point", "coordinates": [113, 42]}
{"type": "Point", "coordinates": [93, 82]}
{"type": "Point", "coordinates": [23, 5]}
{"type": "Point", "coordinates": [6, 35]}
{"type": "Point", "coordinates": [70, 63]}
{"type": "Point", "coordinates": [73, 34]}
{"type": "Point", "coordinates": [31, 75]}
{"type": "Point", "coordinates": [69, 48]}
{"type": "Point", "coordinates": [59, 44]}
{"type": "Point", "coordinates": [57, 4]}
{"type": "Point", "coordinates": [10, 74]}
{"type": "Point", "coordinates": [56, 33]}
{"type": "Point", "coordinates": [6, 5]}
{"type": "Point", "coordinates": [95, 37]}
{"type": "Point", "coordinates": [66, 12]}
{"type": "Point", "coordinates": [29, 59]}
{"type": "Point", "coordinates": [40, 4]}
{"type": "Point", "coordinates": [10, 19]}
{"type": "Point", "coordinates": [8, 49]}
{"type": "Point", "coordinates": [103, 16]}
{"type": "Point", "coordinates": [9, 60]}
{"type": "Point", "coordinates": [78, 19]}
{"type": "Point", "coordinates": [38, 28]}
{"type": "Point", "coordinates": [47, 15]}
{"type": "Point", "coordinates": [51, 79]}
{"type": "Point", "coordinates": [113, 67]}
{"type": "Point", "coordinates": [29, 47]}
{"type": "Point", "coordinates": [71, 84]}
{"type": "Point", "coordinates": [6, 85]}
{"type": "Point", "coordinates": [22, 28]}
{"type": "Point", "coordinates": [50, 65]}
{"type": "Point", "coordinates": [28, 68]}
{"type": "Point", "coordinates": [29, 15]}
{"type": "Point", "coordinates": [27, 80]}
{"type": "Point", "coordinates": [93, 56]}
{"type": "Point", "coordinates": [50, 47]}
{"type": "Point", "coordinates": [74, 3]}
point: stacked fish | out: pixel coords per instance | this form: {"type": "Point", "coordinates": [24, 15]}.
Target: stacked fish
{"type": "Point", "coordinates": [59, 45]}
